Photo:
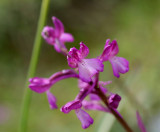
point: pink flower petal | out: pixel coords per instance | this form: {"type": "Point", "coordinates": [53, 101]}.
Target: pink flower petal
{"type": "Point", "coordinates": [140, 122]}
{"type": "Point", "coordinates": [119, 65]}
{"type": "Point", "coordinates": [110, 51]}
{"type": "Point", "coordinates": [51, 100]}
{"type": "Point", "coordinates": [59, 28]}
{"type": "Point", "coordinates": [84, 117]}
{"type": "Point", "coordinates": [39, 85]}
{"type": "Point", "coordinates": [107, 43]}
{"type": "Point", "coordinates": [88, 68]}
{"type": "Point", "coordinates": [73, 58]}
{"type": "Point", "coordinates": [66, 37]}
{"type": "Point", "coordinates": [84, 50]}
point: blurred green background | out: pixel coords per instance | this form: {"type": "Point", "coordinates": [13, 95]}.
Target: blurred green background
{"type": "Point", "coordinates": [135, 24]}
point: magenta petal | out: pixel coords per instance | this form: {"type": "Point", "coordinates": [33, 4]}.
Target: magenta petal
{"type": "Point", "coordinates": [113, 48]}
{"type": "Point", "coordinates": [76, 104]}
{"type": "Point", "coordinates": [119, 65]}
{"type": "Point", "coordinates": [94, 105]}
{"type": "Point", "coordinates": [73, 57]}
{"type": "Point", "coordinates": [140, 122]}
{"type": "Point", "coordinates": [84, 50]}
{"type": "Point", "coordinates": [48, 34]}
{"type": "Point", "coordinates": [110, 51]}
{"type": "Point", "coordinates": [107, 43]}
{"type": "Point", "coordinates": [39, 85]}
{"type": "Point", "coordinates": [59, 28]}
{"type": "Point", "coordinates": [51, 100]}
{"type": "Point", "coordinates": [63, 75]}
{"type": "Point", "coordinates": [66, 37]}
{"type": "Point", "coordinates": [88, 68]}
{"type": "Point", "coordinates": [84, 117]}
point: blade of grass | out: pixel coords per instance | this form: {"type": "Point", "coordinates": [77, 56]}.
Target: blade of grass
{"type": "Point", "coordinates": [32, 66]}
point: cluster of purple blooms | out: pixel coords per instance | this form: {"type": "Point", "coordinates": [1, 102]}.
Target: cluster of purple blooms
{"type": "Point", "coordinates": [85, 70]}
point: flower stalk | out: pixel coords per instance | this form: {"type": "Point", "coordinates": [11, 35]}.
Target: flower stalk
{"type": "Point", "coordinates": [32, 66]}
{"type": "Point", "coordinates": [117, 116]}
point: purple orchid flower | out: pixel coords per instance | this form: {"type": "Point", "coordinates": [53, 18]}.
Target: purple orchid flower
{"type": "Point", "coordinates": [87, 67]}
{"type": "Point", "coordinates": [119, 64]}
{"type": "Point", "coordinates": [83, 116]}
{"type": "Point", "coordinates": [41, 85]}
{"type": "Point", "coordinates": [140, 122]}
{"type": "Point", "coordinates": [56, 36]}
{"type": "Point", "coordinates": [77, 102]}
{"type": "Point", "coordinates": [76, 105]}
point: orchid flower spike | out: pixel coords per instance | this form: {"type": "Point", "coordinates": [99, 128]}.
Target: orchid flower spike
{"type": "Point", "coordinates": [119, 64]}
{"type": "Point", "coordinates": [56, 36]}
{"type": "Point", "coordinates": [87, 67]}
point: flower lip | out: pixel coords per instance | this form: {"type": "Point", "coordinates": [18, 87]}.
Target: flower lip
{"type": "Point", "coordinates": [84, 117]}
{"type": "Point", "coordinates": [119, 65]}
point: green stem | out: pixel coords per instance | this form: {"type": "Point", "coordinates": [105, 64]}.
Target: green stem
{"type": "Point", "coordinates": [32, 66]}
